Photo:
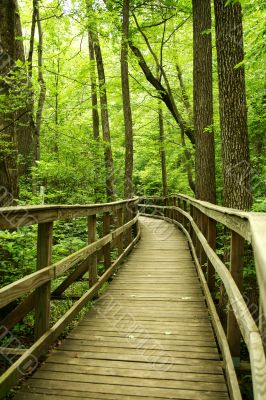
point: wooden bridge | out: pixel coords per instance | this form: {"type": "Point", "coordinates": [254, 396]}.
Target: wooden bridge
{"type": "Point", "coordinates": [154, 333]}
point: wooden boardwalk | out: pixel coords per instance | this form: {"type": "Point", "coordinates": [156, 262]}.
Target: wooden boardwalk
{"type": "Point", "coordinates": [148, 337]}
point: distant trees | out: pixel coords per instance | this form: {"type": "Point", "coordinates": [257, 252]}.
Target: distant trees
{"type": "Point", "coordinates": [155, 77]}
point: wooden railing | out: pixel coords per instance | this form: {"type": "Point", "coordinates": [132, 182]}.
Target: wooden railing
{"type": "Point", "coordinates": [198, 220]}
{"type": "Point", "coordinates": [35, 289]}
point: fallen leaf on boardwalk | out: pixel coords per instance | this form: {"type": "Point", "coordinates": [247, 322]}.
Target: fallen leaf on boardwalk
{"type": "Point", "coordinates": [168, 333]}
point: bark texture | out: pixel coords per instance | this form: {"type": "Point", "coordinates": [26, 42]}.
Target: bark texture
{"type": "Point", "coordinates": [42, 93]}
{"type": "Point", "coordinates": [16, 122]}
{"type": "Point", "coordinates": [233, 110]}
{"type": "Point", "coordinates": [203, 101]}
{"type": "Point", "coordinates": [9, 142]}
{"type": "Point", "coordinates": [108, 155]}
{"type": "Point", "coordinates": [94, 102]}
{"type": "Point", "coordinates": [162, 151]}
{"type": "Point", "coordinates": [128, 182]}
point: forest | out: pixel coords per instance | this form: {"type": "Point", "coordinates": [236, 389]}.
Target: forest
{"type": "Point", "coordinates": [97, 101]}
{"type": "Point", "coordinates": [104, 100]}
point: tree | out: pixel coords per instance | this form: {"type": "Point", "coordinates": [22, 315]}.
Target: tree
{"type": "Point", "coordinates": [94, 101]}
{"type": "Point", "coordinates": [203, 101]}
{"type": "Point", "coordinates": [233, 110]}
{"type": "Point", "coordinates": [165, 91]}
{"type": "Point", "coordinates": [108, 155]}
{"type": "Point", "coordinates": [128, 182]}
{"type": "Point", "coordinates": [162, 150]}
{"type": "Point", "coordinates": [16, 124]}
{"type": "Point", "coordinates": [42, 93]}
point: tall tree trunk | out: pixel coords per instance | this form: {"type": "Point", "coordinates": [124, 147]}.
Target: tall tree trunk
{"type": "Point", "coordinates": [56, 117]}
{"type": "Point", "coordinates": [9, 142]}
{"type": "Point", "coordinates": [108, 155]}
{"type": "Point", "coordinates": [16, 123]}
{"type": "Point", "coordinates": [94, 101]}
{"type": "Point", "coordinates": [41, 81]}
{"type": "Point", "coordinates": [233, 110]}
{"type": "Point", "coordinates": [203, 102]}
{"type": "Point", "coordinates": [162, 151]}
{"type": "Point", "coordinates": [25, 125]}
{"type": "Point", "coordinates": [128, 183]}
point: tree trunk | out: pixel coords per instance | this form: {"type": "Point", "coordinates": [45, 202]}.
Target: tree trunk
{"type": "Point", "coordinates": [203, 102]}
{"type": "Point", "coordinates": [16, 121]}
{"type": "Point", "coordinates": [162, 151]}
{"type": "Point", "coordinates": [94, 102]}
{"type": "Point", "coordinates": [233, 110]}
{"type": "Point", "coordinates": [25, 124]}
{"type": "Point", "coordinates": [108, 155]}
{"type": "Point", "coordinates": [9, 142]}
{"type": "Point", "coordinates": [41, 81]}
{"type": "Point", "coordinates": [128, 183]}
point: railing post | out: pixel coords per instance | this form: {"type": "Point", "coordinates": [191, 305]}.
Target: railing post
{"type": "Point", "coordinates": [236, 269]}
{"type": "Point", "coordinates": [43, 293]}
{"type": "Point", "coordinates": [165, 204]}
{"type": "Point", "coordinates": [174, 216]}
{"type": "Point", "coordinates": [91, 223]}
{"type": "Point", "coordinates": [183, 217]}
{"type": "Point", "coordinates": [204, 230]}
{"type": "Point", "coordinates": [128, 214]}
{"type": "Point", "coordinates": [179, 216]}
{"type": "Point", "coordinates": [120, 246]}
{"type": "Point", "coordinates": [135, 226]}
{"type": "Point", "coordinates": [197, 221]}
{"type": "Point", "coordinates": [107, 247]}
{"type": "Point", "coordinates": [212, 242]}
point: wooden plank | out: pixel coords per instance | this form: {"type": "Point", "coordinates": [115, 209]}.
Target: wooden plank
{"type": "Point", "coordinates": [132, 371]}
{"type": "Point", "coordinates": [129, 381]}
{"type": "Point", "coordinates": [17, 289]}
{"type": "Point", "coordinates": [63, 358]}
{"type": "Point", "coordinates": [19, 312]}
{"type": "Point", "coordinates": [128, 390]}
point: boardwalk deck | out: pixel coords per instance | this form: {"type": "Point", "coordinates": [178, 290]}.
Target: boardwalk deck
{"type": "Point", "coordinates": [148, 337]}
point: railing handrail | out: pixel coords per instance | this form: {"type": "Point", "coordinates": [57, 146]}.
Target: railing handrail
{"type": "Point", "coordinates": [16, 216]}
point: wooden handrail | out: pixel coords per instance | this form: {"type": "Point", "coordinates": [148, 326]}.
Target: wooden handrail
{"type": "Point", "coordinates": [14, 217]}
{"type": "Point", "coordinates": [37, 285]}
{"type": "Point", "coordinates": [196, 217]}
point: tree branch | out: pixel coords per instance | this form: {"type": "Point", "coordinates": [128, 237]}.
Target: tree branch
{"type": "Point", "coordinates": [164, 95]}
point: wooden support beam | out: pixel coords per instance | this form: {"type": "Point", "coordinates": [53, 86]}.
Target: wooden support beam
{"type": "Point", "coordinates": [91, 222]}
{"type": "Point", "coordinates": [236, 269]}
{"type": "Point", "coordinates": [107, 247]}
{"type": "Point", "coordinates": [120, 246]}
{"type": "Point", "coordinates": [211, 238]}
{"type": "Point", "coordinates": [19, 312]}
{"type": "Point", "coordinates": [43, 293]}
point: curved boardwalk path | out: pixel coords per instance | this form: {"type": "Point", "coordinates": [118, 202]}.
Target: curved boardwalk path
{"type": "Point", "coordinates": [148, 337]}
